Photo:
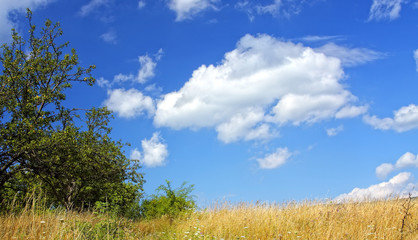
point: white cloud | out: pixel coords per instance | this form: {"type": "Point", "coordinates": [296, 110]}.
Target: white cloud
{"type": "Point", "coordinates": [275, 159]}
{"type": "Point", "coordinates": [351, 111]}
{"type": "Point", "coordinates": [243, 126]}
{"type": "Point", "coordinates": [272, 8]}
{"type": "Point", "coordinates": [136, 155]}
{"type": "Point", "coordinates": [405, 161]}
{"type": "Point", "coordinates": [247, 8]}
{"type": "Point", "coordinates": [384, 169]}
{"type": "Point", "coordinates": [154, 151]}
{"type": "Point", "coordinates": [146, 71]}
{"type": "Point", "coordinates": [349, 57]}
{"type": "Point", "coordinates": [334, 131]}
{"type": "Point", "coordinates": [385, 9]}
{"type": "Point", "coordinates": [129, 103]}
{"type": "Point", "coordinates": [141, 4]}
{"type": "Point", "coordinates": [400, 185]}
{"type": "Point", "coordinates": [406, 118]}
{"type": "Point", "coordinates": [282, 8]}
{"type": "Point", "coordinates": [314, 38]}
{"type": "Point", "coordinates": [262, 83]}
{"type": "Point", "coordinates": [120, 78]}
{"type": "Point", "coordinates": [17, 7]}
{"type": "Point", "coordinates": [91, 6]}
{"type": "Point", "coordinates": [102, 82]}
{"type": "Point", "coordinates": [109, 37]}
{"type": "Point", "coordinates": [186, 9]}
{"type": "Point", "coordinates": [416, 58]}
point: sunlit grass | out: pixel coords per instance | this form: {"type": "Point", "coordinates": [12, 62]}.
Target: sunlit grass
{"type": "Point", "coordinates": [390, 219]}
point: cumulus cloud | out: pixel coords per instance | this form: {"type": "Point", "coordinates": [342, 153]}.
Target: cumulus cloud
{"type": "Point", "coordinates": [405, 119]}
{"type": "Point", "coordinates": [129, 103]}
{"type": "Point", "coordinates": [349, 57]}
{"type": "Point", "coordinates": [186, 9]}
{"type": "Point", "coordinates": [263, 83]}
{"type": "Point", "coordinates": [155, 152]}
{"type": "Point", "coordinates": [275, 159]}
{"type": "Point", "coordinates": [91, 6]}
{"type": "Point", "coordinates": [244, 126]}
{"type": "Point", "coordinates": [15, 7]}
{"type": "Point", "coordinates": [334, 131]}
{"type": "Point", "coordinates": [405, 161]}
{"type": "Point", "coordinates": [400, 185]}
{"type": "Point", "coordinates": [385, 9]}
{"type": "Point", "coordinates": [416, 58]}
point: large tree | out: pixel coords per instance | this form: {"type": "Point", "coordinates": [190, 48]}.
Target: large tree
{"type": "Point", "coordinates": [66, 151]}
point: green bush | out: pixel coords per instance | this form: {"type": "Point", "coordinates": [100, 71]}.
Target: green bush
{"type": "Point", "coordinates": [168, 202]}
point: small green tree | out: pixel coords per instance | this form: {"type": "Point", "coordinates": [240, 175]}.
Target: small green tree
{"type": "Point", "coordinates": [44, 143]}
{"type": "Point", "coordinates": [168, 202]}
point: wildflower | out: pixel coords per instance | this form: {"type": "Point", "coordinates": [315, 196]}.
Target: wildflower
{"type": "Point", "coordinates": [245, 227]}
{"type": "Point", "coordinates": [42, 222]}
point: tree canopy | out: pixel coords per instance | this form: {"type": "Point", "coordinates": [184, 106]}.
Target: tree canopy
{"type": "Point", "coordinates": [65, 151]}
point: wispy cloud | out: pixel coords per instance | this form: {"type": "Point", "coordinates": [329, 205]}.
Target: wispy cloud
{"type": "Point", "coordinates": [351, 111]}
{"type": "Point", "coordinates": [187, 9]}
{"type": "Point", "coordinates": [314, 38]}
{"type": "Point", "coordinates": [276, 8]}
{"type": "Point", "coordinates": [275, 159]}
{"type": "Point", "coordinates": [385, 9]}
{"type": "Point", "coordinates": [405, 119]}
{"type": "Point", "coordinates": [146, 71]}
{"type": "Point", "coordinates": [416, 58]}
{"type": "Point", "coordinates": [109, 37]}
{"type": "Point", "coordinates": [350, 56]}
{"type": "Point", "coordinates": [93, 5]}
{"type": "Point", "coordinates": [141, 4]}
{"type": "Point", "coordinates": [16, 7]}
{"type": "Point", "coordinates": [334, 131]}
{"type": "Point", "coordinates": [272, 8]}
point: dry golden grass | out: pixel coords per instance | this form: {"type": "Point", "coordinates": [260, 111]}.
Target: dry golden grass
{"type": "Point", "coordinates": [391, 219]}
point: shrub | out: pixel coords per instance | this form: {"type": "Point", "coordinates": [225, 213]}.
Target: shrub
{"type": "Point", "coordinates": [168, 202]}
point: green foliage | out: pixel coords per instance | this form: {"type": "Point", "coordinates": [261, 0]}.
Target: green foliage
{"type": "Point", "coordinates": [48, 145]}
{"type": "Point", "coordinates": [168, 202]}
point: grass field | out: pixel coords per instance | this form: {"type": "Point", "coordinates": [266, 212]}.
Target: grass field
{"type": "Point", "coordinates": [390, 219]}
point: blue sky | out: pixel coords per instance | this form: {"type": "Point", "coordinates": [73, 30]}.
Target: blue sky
{"type": "Point", "coordinates": [269, 100]}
